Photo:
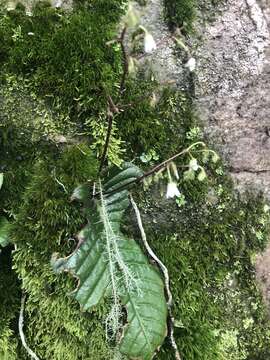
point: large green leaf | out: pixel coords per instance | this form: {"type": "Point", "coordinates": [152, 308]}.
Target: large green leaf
{"type": "Point", "coordinates": [147, 310]}
{"type": "Point", "coordinates": [107, 262]}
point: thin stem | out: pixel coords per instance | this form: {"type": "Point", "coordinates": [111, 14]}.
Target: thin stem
{"type": "Point", "coordinates": [124, 60]}
{"type": "Point", "coordinates": [112, 109]}
{"type": "Point", "coordinates": [21, 320]}
{"type": "Point", "coordinates": [165, 272]}
{"type": "Point", "coordinates": [158, 167]}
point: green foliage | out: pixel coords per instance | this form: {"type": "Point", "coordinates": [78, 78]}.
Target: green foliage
{"type": "Point", "coordinates": [98, 131]}
{"type": "Point", "coordinates": [4, 224]}
{"type": "Point", "coordinates": [28, 130]}
{"type": "Point", "coordinates": [105, 262]}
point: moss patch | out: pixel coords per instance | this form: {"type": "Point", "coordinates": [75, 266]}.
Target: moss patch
{"type": "Point", "coordinates": [182, 14]}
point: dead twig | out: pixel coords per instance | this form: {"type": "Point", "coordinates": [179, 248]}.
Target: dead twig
{"type": "Point", "coordinates": [21, 320]}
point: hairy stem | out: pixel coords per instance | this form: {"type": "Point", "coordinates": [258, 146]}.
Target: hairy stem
{"type": "Point", "coordinates": [113, 317]}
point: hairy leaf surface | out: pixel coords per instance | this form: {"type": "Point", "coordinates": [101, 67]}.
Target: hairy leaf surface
{"type": "Point", "coordinates": [108, 262]}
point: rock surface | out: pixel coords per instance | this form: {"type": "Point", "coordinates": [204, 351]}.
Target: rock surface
{"type": "Point", "coordinates": [233, 96]}
{"type": "Point", "coordinates": [233, 90]}
{"type": "Point", "coordinates": [232, 84]}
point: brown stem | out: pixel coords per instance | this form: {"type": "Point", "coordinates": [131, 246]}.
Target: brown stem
{"type": "Point", "coordinates": [124, 60]}
{"type": "Point", "coordinates": [112, 109]}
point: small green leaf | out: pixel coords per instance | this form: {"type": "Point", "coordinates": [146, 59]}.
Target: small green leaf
{"type": "Point", "coordinates": [1, 179]}
{"type": "Point", "coordinates": [4, 231]}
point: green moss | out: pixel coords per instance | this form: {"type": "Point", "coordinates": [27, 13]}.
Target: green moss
{"type": "Point", "coordinates": [183, 14]}
{"type": "Point", "coordinates": [47, 222]}
{"type": "Point", "coordinates": [66, 56]}
{"type": "Point", "coordinates": [154, 119]}
{"type": "Point", "coordinates": [208, 247]}
{"type": "Point", "coordinates": [9, 307]}
{"type": "Point", "coordinates": [28, 130]}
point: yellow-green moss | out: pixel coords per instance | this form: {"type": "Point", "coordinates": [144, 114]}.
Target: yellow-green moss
{"type": "Point", "coordinates": [47, 222]}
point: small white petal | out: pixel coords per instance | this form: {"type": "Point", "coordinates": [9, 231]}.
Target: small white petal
{"type": "Point", "coordinates": [31, 33]}
{"type": "Point", "coordinates": [191, 64]}
{"type": "Point", "coordinates": [149, 43]}
{"type": "Point", "coordinates": [172, 190]}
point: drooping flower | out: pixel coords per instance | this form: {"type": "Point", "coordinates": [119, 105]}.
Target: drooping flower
{"type": "Point", "coordinates": [172, 190]}
{"type": "Point", "coordinates": [191, 64]}
{"type": "Point", "coordinates": [149, 43]}
{"type": "Point", "coordinates": [193, 165]}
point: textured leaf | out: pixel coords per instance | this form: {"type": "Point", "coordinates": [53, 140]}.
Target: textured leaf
{"type": "Point", "coordinates": [4, 231]}
{"type": "Point", "coordinates": [147, 310]}
{"type": "Point", "coordinates": [107, 260]}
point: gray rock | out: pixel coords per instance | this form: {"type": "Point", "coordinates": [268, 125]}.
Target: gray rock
{"type": "Point", "coordinates": [233, 90]}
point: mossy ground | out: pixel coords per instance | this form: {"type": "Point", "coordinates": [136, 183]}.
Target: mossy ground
{"type": "Point", "coordinates": [207, 241]}
{"type": "Point", "coordinates": [183, 14]}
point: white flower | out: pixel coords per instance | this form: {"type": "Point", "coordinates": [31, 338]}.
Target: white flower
{"type": "Point", "coordinates": [191, 64]}
{"type": "Point", "coordinates": [149, 43]}
{"type": "Point", "coordinates": [31, 33]}
{"type": "Point", "coordinates": [172, 190]}
{"type": "Point", "coordinates": [193, 165]}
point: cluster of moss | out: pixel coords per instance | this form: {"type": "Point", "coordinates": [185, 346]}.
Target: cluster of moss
{"type": "Point", "coordinates": [61, 76]}
{"type": "Point", "coordinates": [182, 14]}
{"type": "Point", "coordinates": [74, 70]}
{"type": "Point", "coordinates": [208, 248]}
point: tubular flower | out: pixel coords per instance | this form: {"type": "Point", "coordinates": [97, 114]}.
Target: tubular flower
{"type": "Point", "coordinates": [172, 190]}
{"type": "Point", "coordinates": [191, 64]}
{"type": "Point", "coordinates": [149, 43]}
